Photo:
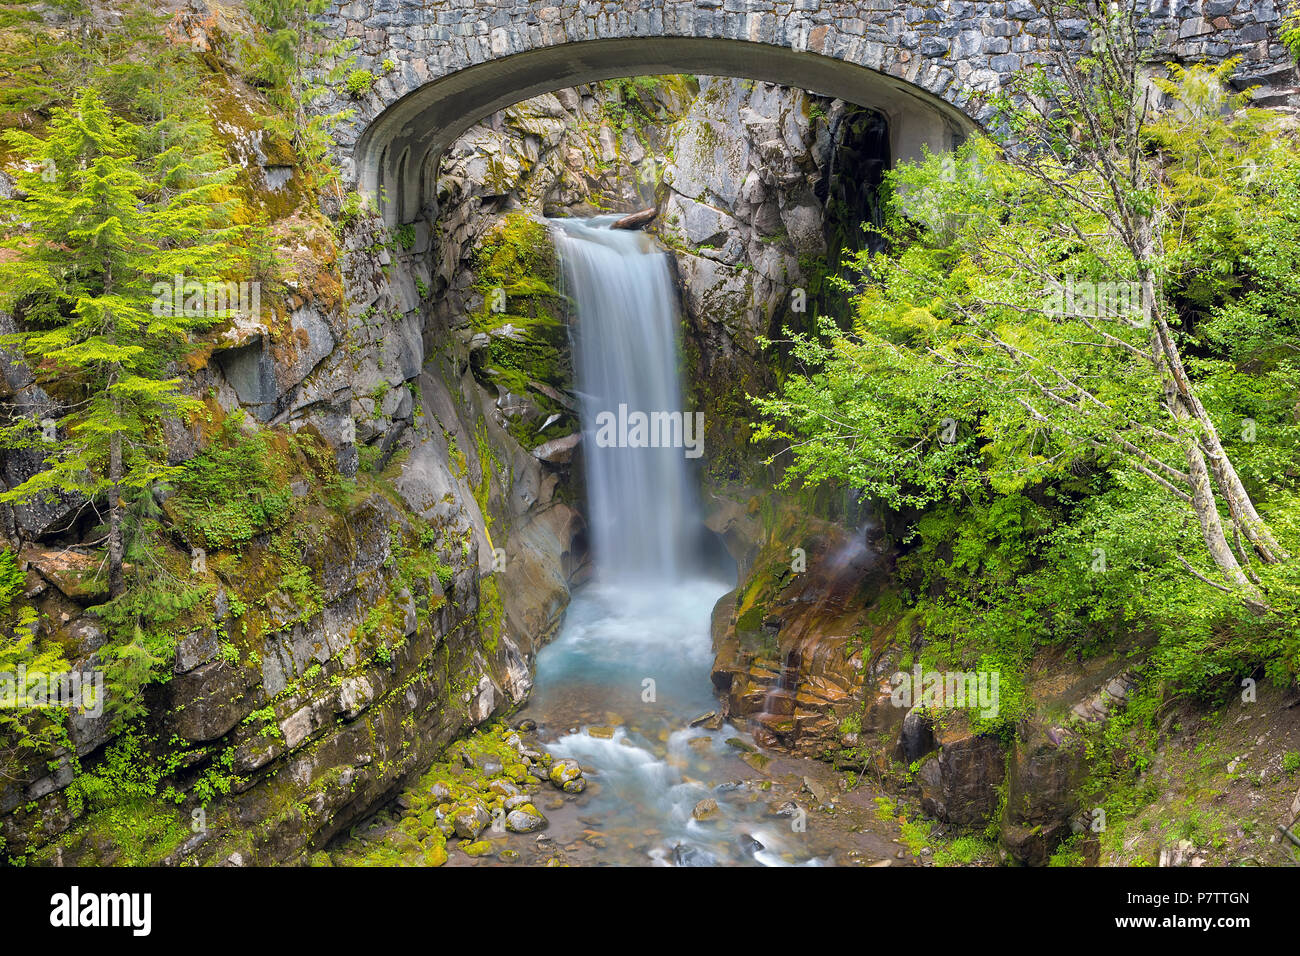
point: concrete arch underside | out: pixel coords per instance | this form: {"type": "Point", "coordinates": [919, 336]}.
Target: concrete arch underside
{"type": "Point", "coordinates": [442, 65]}
{"type": "Point", "coordinates": [397, 156]}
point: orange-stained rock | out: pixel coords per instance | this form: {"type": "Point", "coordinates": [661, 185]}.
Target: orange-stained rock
{"type": "Point", "coordinates": [79, 576]}
{"type": "Point", "coordinates": [789, 641]}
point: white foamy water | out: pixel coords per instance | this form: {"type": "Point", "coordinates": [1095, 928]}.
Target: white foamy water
{"type": "Point", "coordinates": [649, 776]}
{"type": "Point", "coordinates": [641, 506]}
{"type": "Point", "coordinates": [634, 654]}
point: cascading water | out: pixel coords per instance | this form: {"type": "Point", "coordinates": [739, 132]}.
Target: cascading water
{"type": "Point", "coordinates": [620, 685]}
{"type": "Point", "coordinates": [642, 512]}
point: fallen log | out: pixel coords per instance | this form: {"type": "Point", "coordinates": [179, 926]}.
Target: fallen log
{"type": "Point", "coordinates": [636, 220]}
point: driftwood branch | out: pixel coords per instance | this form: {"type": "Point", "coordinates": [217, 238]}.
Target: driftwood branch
{"type": "Point", "coordinates": [636, 220]}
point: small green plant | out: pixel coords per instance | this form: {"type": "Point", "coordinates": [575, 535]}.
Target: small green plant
{"type": "Point", "coordinates": [359, 83]}
{"type": "Point", "coordinates": [1290, 34]}
{"type": "Point", "coordinates": [964, 851]}
{"type": "Point", "coordinates": [1291, 762]}
{"type": "Point", "coordinates": [916, 834]}
{"type": "Point", "coordinates": [1069, 853]}
{"type": "Point", "coordinates": [301, 586]}
{"type": "Point", "coordinates": [353, 204]}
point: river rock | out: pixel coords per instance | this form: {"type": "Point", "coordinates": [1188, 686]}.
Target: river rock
{"type": "Point", "coordinates": [564, 772]}
{"type": "Point", "coordinates": [525, 819]}
{"type": "Point", "coordinates": [749, 845]}
{"type": "Point", "coordinates": [818, 792]}
{"type": "Point", "coordinates": [469, 822]}
{"type": "Point", "coordinates": [503, 788]}
{"type": "Point", "coordinates": [705, 810]}
{"type": "Point", "coordinates": [685, 855]}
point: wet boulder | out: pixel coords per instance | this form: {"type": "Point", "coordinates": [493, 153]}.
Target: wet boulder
{"type": "Point", "coordinates": [563, 773]}
{"type": "Point", "coordinates": [525, 819]}
{"type": "Point", "coordinates": [1044, 773]}
{"type": "Point", "coordinates": [469, 821]}
{"type": "Point", "coordinates": [960, 783]}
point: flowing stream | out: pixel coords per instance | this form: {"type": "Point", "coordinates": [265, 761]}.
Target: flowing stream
{"type": "Point", "coordinates": [629, 671]}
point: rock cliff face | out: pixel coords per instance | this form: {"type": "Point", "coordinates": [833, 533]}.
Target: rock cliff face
{"type": "Point", "coordinates": [748, 210]}
{"type": "Point", "coordinates": [794, 655]}
{"type": "Point", "coordinates": [422, 433]}
{"type": "Point", "coordinates": [410, 392]}
{"type": "Point", "coordinates": [427, 370]}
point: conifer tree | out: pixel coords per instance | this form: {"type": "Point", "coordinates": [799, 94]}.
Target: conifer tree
{"type": "Point", "coordinates": [99, 228]}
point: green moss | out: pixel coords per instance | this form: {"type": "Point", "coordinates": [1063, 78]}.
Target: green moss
{"type": "Point", "coordinates": [963, 851]}
{"type": "Point", "coordinates": [491, 613]}
{"type": "Point", "coordinates": [518, 257]}
{"type": "Point", "coordinates": [456, 781]}
{"type": "Point", "coordinates": [487, 460]}
{"type": "Point", "coordinates": [1069, 853]}
{"type": "Point", "coordinates": [516, 273]}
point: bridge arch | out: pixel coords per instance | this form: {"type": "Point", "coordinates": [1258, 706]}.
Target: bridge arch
{"type": "Point", "coordinates": [443, 65]}
{"type": "Point", "coordinates": [396, 156]}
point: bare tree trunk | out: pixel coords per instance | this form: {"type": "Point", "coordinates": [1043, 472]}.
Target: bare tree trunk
{"type": "Point", "coordinates": [1207, 513]}
{"type": "Point", "coordinates": [116, 585]}
{"type": "Point", "coordinates": [116, 548]}
{"type": "Point", "coordinates": [1240, 505]}
{"type": "Point", "coordinates": [1181, 401]}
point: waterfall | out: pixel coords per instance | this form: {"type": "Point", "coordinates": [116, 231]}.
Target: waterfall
{"type": "Point", "coordinates": [624, 688]}
{"type": "Point", "coordinates": [641, 507]}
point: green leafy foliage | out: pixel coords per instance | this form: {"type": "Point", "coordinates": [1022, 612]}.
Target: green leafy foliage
{"type": "Point", "coordinates": [360, 82]}
{"type": "Point", "coordinates": [100, 229]}
{"type": "Point", "coordinates": [122, 800]}
{"type": "Point", "coordinates": [1291, 34]}
{"type": "Point", "coordinates": [295, 60]}
{"type": "Point", "coordinates": [24, 733]}
{"type": "Point", "coordinates": [145, 623]}
{"type": "Point", "coordinates": [1002, 426]}
{"type": "Point", "coordinates": [235, 489]}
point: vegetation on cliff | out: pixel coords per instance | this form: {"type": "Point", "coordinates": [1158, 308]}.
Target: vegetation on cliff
{"type": "Point", "coordinates": [1071, 379]}
{"type": "Point", "coordinates": [130, 146]}
{"type": "Point", "coordinates": [82, 275]}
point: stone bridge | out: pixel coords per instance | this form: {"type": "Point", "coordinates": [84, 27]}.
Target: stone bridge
{"type": "Point", "coordinates": [443, 65]}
